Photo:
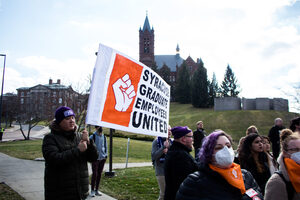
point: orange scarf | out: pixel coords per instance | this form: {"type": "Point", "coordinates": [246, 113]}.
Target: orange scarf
{"type": "Point", "coordinates": [293, 170]}
{"type": "Point", "coordinates": [232, 175]}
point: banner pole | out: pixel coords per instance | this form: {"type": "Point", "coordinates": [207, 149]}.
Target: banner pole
{"type": "Point", "coordinates": [110, 173]}
{"type": "Point", "coordinates": [127, 152]}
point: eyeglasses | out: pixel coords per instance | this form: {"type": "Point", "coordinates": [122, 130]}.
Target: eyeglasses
{"type": "Point", "coordinates": [294, 149]}
{"type": "Point", "coordinates": [190, 136]}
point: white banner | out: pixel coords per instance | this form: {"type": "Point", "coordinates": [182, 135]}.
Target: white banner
{"type": "Point", "coordinates": [127, 95]}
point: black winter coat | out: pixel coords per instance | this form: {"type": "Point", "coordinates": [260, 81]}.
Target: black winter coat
{"type": "Point", "coordinates": [207, 184]}
{"type": "Point", "coordinates": [274, 135]}
{"type": "Point", "coordinates": [199, 135]}
{"type": "Point", "coordinates": [66, 171]}
{"type": "Point", "coordinates": [178, 165]}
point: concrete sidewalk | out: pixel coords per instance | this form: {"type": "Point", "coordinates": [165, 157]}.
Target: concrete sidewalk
{"type": "Point", "coordinates": [14, 132]}
{"type": "Point", "coordinates": [27, 177]}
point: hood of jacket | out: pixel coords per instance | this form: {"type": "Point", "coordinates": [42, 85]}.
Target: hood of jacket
{"type": "Point", "coordinates": [282, 167]}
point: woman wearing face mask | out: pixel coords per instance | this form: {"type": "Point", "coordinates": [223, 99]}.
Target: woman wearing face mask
{"type": "Point", "coordinates": [218, 177]}
{"type": "Point", "coordinates": [253, 158]}
{"type": "Point", "coordinates": [286, 183]}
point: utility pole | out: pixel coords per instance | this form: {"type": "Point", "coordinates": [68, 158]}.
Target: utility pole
{"type": "Point", "coordinates": [1, 98]}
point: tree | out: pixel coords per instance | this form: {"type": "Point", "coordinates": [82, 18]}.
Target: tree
{"type": "Point", "coordinates": [154, 67]}
{"type": "Point", "coordinates": [165, 73]}
{"type": "Point", "coordinates": [213, 90]}
{"type": "Point", "coordinates": [229, 87]}
{"type": "Point", "coordinates": [33, 120]}
{"type": "Point", "coordinates": [81, 101]}
{"type": "Point", "coordinates": [199, 87]}
{"type": "Point", "coordinates": [182, 90]}
{"type": "Point", "coordinates": [294, 95]}
{"type": "Point", "coordinates": [9, 108]}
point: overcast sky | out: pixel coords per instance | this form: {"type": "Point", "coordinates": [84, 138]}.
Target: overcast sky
{"type": "Point", "coordinates": [259, 39]}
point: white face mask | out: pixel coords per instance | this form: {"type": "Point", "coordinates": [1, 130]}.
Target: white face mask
{"type": "Point", "coordinates": [225, 157]}
{"type": "Point", "coordinates": [296, 157]}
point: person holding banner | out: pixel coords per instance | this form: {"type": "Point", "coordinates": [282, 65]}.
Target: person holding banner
{"type": "Point", "coordinates": [179, 163]}
{"type": "Point", "coordinates": [66, 154]}
{"type": "Point", "coordinates": [160, 148]}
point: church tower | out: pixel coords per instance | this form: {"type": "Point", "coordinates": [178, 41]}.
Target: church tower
{"type": "Point", "coordinates": [147, 44]}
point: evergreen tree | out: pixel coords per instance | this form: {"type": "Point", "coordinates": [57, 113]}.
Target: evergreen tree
{"type": "Point", "coordinates": [182, 89]}
{"type": "Point", "coordinates": [165, 73]}
{"type": "Point", "coordinates": [199, 87]}
{"type": "Point", "coordinates": [229, 87]}
{"type": "Point", "coordinates": [154, 67]}
{"type": "Point", "coordinates": [213, 90]}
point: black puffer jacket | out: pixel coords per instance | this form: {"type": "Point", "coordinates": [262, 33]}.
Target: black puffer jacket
{"type": "Point", "coordinates": [66, 171]}
{"type": "Point", "coordinates": [178, 165]}
{"type": "Point", "coordinates": [207, 184]}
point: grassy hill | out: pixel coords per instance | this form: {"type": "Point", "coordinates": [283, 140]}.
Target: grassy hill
{"type": "Point", "coordinates": [234, 123]}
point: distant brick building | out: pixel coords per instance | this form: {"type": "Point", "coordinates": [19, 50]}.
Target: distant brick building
{"type": "Point", "coordinates": [147, 56]}
{"type": "Point", "coordinates": [42, 100]}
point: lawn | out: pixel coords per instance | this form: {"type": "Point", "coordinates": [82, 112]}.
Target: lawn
{"type": "Point", "coordinates": [8, 194]}
{"type": "Point", "coordinates": [131, 183]}
{"type": "Point", "coordinates": [139, 151]}
{"type": "Point", "coordinates": [233, 122]}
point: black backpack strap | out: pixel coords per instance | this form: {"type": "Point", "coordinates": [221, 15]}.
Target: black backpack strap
{"type": "Point", "coordinates": [288, 185]}
{"type": "Point", "coordinates": [94, 138]}
{"type": "Point", "coordinates": [105, 144]}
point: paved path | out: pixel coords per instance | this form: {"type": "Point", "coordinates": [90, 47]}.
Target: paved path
{"type": "Point", "coordinates": [14, 133]}
{"type": "Point", "coordinates": [27, 176]}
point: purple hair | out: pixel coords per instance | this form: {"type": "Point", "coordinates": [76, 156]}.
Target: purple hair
{"type": "Point", "coordinates": [209, 143]}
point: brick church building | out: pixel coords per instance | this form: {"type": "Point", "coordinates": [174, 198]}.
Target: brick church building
{"type": "Point", "coordinates": [147, 56]}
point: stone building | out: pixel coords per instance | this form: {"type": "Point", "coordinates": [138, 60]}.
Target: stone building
{"type": "Point", "coordinates": [278, 104]}
{"type": "Point", "coordinates": [41, 101]}
{"type": "Point", "coordinates": [227, 103]}
{"type": "Point", "coordinates": [235, 103]}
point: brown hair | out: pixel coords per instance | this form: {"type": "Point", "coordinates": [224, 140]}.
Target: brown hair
{"type": "Point", "coordinates": [286, 136]}
{"type": "Point", "coordinates": [249, 129]}
{"type": "Point", "coordinates": [266, 137]}
{"type": "Point", "coordinates": [294, 122]}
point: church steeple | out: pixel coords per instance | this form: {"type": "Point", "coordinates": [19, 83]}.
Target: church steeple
{"type": "Point", "coordinates": [146, 24]}
{"type": "Point", "coordinates": [177, 49]}
{"type": "Point", "coordinates": [147, 43]}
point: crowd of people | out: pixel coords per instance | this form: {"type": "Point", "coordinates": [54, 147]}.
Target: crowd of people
{"type": "Point", "coordinates": [217, 171]}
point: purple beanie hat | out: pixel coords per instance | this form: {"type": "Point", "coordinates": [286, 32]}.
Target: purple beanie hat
{"type": "Point", "coordinates": [180, 131]}
{"type": "Point", "coordinates": [63, 112]}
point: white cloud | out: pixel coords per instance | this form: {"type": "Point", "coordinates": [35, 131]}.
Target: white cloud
{"type": "Point", "coordinates": [70, 71]}
{"type": "Point", "coordinates": [261, 47]}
